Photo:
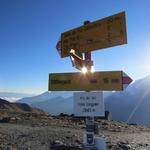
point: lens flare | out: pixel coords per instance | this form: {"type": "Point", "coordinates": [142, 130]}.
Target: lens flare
{"type": "Point", "coordinates": [84, 70]}
{"type": "Point", "coordinates": [92, 69]}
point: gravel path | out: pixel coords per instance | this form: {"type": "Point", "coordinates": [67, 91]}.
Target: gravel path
{"type": "Point", "coordinates": [134, 141]}
{"type": "Point", "coordinates": [25, 137]}
{"type": "Point", "coordinates": [67, 135]}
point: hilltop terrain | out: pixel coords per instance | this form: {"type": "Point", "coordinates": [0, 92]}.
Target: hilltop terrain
{"type": "Point", "coordinates": [40, 131]}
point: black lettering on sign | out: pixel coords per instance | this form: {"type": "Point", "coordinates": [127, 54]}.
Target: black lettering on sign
{"type": "Point", "coordinates": [81, 104]}
{"type": "Point", "coordinates": [93, 98]}
{"type": "Point", "coordinates": [55, 81]}
{"type": "Point", "coordinates": [87, 97]}
{"type": "Point", "coordinates": [87, 110]}
{"type": "Point", "coordinates": [115, 80]}
{"type": "Point", "coordinates": [82, 97]}
{"type": "Point", "coordinates": [93, 110]}
{"type": "Point", "coordinates": [92, 26]}
{"type": "Point", "coordinates": [91, 104]}
{"type": "Point", "coordinates": [93, 81]}
{"type": "Point", "coordinates": [106, 80]}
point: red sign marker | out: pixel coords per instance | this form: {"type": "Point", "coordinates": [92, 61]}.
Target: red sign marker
{"type": "Point", "coordinates": [126, 80]}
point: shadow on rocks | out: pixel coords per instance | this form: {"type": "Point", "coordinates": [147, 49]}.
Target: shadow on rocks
{"type": "Point", "coordinates": [63, 147]}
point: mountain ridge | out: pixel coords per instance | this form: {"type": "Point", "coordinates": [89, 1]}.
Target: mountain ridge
{"type": "Point", "coordinates": [16, 107]}
{"type": "Point", "coordinates": [130, 105]}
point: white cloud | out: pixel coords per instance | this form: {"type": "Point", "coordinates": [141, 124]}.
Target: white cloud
{"type": "Point", "coordinates": [10, 99]}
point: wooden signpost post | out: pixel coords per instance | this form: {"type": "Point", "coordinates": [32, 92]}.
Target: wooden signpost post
{"type": "Point", "coordinates": [78, 44]}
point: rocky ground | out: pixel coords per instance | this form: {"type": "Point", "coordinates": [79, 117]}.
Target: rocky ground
{"type": "Point", "coordinates": [31, 131]}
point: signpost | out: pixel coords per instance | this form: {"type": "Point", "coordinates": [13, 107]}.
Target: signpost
{"type": "Point", "coordinates": [104, 33]}
{"type": "Point", "coordinates": [88, 104]}
{"type": "Point", "coordinates": [104, 81]}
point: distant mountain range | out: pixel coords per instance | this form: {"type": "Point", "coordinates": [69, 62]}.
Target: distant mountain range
{"type": "Point", "coordinates": [53, 102]}
{"type": "Point", "coordinates": [16, 107]}
{"type": "Point", "coordinates": [45, 96]}
{"type": "Point", "coordinates": [12, 97]}
{"type": "Point", "coordinates": [131, 105]}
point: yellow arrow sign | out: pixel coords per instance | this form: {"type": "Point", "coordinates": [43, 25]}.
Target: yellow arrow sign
{"type": "Point", "coordinates": [111, 80]}
{"type": "Point", "coordinates": [107, 32]}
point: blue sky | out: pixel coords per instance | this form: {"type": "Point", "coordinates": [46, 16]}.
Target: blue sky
{"type": "Point", "coordinates": [29, 30]}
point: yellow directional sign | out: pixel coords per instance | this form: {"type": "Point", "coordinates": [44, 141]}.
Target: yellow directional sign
{"type": "Point", "coordinates": [107, 32]}
{"type": "Point", "coordinates": [111, 80]}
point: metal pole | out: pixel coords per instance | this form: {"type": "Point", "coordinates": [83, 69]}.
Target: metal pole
{"type": "Point", "coordinates": [89, 119]}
